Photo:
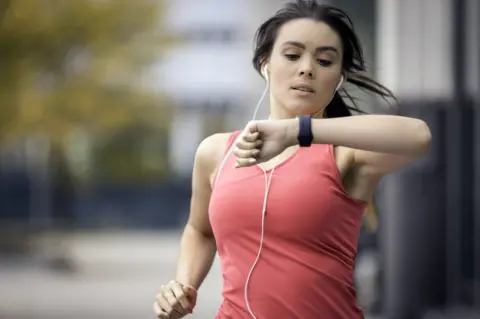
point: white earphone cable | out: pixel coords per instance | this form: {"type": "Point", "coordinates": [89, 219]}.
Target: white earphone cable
{"type": "Point", "coordinates": [268, 180]}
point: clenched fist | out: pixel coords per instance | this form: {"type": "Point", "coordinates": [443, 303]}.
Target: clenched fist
{"type": "Point", "coordinates": [263, 140]}
{"type": "Point", "coordinates": [174, 300]}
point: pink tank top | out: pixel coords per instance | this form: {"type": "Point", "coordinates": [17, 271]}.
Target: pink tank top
{"type": "Point", "coordinates": [305, 270]}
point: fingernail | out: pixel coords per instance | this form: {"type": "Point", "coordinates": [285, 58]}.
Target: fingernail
{"type": "Point", "coordinates": [255, 152]}
{"type": "Point", "coordinates": [252, 160]}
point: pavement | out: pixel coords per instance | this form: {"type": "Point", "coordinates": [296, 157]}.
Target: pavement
{"type": "Point", "coordinates": [118, 276]}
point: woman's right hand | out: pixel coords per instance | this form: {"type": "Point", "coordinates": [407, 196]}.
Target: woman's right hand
{"type": "Point", "coordinates": [174, 300]}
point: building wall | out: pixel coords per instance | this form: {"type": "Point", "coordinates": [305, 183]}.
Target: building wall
{"type": "Point", "coordinates": [208, 76]}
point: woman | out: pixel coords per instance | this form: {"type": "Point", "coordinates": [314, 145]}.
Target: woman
{"type": "Point", "coordinates": [284, 209]}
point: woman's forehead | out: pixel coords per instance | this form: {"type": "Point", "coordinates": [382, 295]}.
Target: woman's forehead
{"type": "Point", "coordinates": [312, 34]}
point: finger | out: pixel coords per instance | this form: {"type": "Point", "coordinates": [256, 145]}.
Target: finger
{"type": "Point", "coordinates": [245, 153]}
{"type": "Point", "coordinates": [159, 312]}
{"type": "Point", "coordinates": [173, 301]}
{"type": "Point", "coordinates": [250, 137]}
{"type": "Point", "coordinates": [244, 162]}
{"type": "Point", "coordinates": [248, 145]}
{"type": "Point", "coordinates": [164, 304]}
{"type": "Point", "coordinates": [181, 296]}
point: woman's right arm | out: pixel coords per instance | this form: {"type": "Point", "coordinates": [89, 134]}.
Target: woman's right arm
{"type": "Point", "coordinates": [197, 247]}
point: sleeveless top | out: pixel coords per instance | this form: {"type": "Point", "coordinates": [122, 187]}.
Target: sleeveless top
{"type": "Point", "coordinates": [305, 269]}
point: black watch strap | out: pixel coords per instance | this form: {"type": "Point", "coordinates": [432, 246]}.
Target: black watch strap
{"type": "Point", "coordinates": [305, 136]}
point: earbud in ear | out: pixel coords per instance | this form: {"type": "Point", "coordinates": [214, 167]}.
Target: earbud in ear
{"type": "Point", "coordinates": [339, 84]}
{"type": "Point", "coordinates": [265, 72]}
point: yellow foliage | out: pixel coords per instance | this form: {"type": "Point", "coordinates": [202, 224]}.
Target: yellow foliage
{"type": "Point", "coordinates": [70, 53]}
{"type": "Point", "coordinates": [77, 63]}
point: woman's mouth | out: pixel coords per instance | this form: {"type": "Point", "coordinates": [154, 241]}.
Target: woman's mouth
{"type": "Point", "coordinates": [303, 90]}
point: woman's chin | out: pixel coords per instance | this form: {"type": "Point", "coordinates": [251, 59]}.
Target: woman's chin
{"type": "Point", "coordinates": [303, 109]}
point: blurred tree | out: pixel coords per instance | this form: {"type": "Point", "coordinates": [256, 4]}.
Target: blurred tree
{"type": "Point", "coordinates": [81, 64]}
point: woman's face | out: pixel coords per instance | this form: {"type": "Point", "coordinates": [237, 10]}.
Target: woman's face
{"type": "Point", "coordinates": [305, 67]}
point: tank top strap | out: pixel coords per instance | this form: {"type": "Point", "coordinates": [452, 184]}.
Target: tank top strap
{"type": "Point", "coordinates": [231, 139]}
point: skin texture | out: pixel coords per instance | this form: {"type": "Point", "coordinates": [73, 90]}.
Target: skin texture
{"type": "Point", "coordinates": [318, 64]}
{"type": "Point", "coordinates": [307, 53]}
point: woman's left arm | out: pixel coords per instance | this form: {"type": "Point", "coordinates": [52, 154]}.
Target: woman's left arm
{"type": "Point", "coordinates": [380, 143]}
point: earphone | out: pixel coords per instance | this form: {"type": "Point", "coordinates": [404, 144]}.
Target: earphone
{"type": "Point", "coordinates": [339, 84]}
{"type": "Point", "coordinates": [268, 180]}
{"type": "Point", "coordinates": [265, 72]}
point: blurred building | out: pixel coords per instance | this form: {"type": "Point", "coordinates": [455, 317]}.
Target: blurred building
{"type": "Point", "coordinates": [428, 54]}
{"type": "Point", "coordinates": [208, 74]}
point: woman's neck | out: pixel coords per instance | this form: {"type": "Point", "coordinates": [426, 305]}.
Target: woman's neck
{"type": "Point", "coordinates": [280, 113]}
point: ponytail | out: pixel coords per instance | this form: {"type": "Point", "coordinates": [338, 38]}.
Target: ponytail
{"type": "Point", "coordinates": [338, 107]}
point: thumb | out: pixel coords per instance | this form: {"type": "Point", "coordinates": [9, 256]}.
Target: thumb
{"type": "Point", "coordinates": [191, 294]}
{"type": "Point", "coordinates": [251, 127]}
{"type": "Point", "coordinates": [190, 290]}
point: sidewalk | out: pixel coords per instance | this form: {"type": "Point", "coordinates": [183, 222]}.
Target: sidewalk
{"type": "Point", "coordinates": [119, 274]}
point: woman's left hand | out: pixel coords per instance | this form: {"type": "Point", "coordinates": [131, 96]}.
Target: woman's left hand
{"type": "Point", "coordinates": [263, 140]}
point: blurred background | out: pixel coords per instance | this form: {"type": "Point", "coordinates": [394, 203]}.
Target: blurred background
{"type": "Point", "coordinates": [102, 106]}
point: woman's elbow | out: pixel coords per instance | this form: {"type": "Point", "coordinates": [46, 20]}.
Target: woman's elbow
{"type": "Point", "coordinates": [424, 138]}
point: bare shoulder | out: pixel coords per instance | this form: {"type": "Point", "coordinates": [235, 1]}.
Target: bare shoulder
{"type": "Point", "coordinates": [210, 152]}
{"type": "Point", "coordinates": [212, 148]}
{"type": "Point", "coordinates": [206, 157]}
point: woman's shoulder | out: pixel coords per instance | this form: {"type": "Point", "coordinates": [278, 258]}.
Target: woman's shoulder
{"type": "Point", "coordinates": [213, 147]}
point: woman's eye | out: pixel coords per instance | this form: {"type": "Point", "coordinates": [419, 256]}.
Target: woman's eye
{"type": "Point", "coordinates": [292, 57]}
{"type": "Point", "coordinates": [324, 62]}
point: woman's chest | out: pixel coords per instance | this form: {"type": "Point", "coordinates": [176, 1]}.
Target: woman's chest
{"type": "Point", "coordinates": [302, 204]}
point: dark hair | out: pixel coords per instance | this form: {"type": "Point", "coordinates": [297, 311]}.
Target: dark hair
{"type": "Point", "coordinates": [353, 63]}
